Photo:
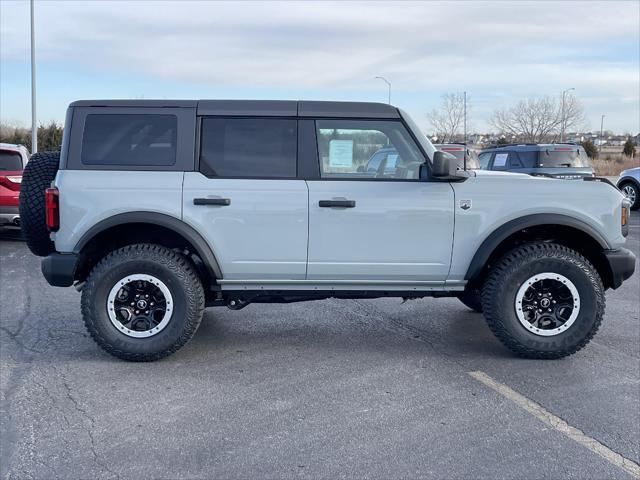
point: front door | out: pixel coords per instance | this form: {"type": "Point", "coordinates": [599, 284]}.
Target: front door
{"type": "Point", "coordinates": [384, 225]}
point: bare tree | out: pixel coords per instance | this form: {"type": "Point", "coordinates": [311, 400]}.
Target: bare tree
{"type": "Point", "coordinates": [539, 119]}
{"type": "Point", "coordinates": [447, 121]}
{"type": "Point", "coordinates": [571, 114]}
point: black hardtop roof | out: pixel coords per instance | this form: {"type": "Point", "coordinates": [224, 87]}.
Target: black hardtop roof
{"type": "Point", "coordinates": [270, 108]}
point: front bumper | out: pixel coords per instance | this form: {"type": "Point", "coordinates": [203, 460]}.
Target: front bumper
{"type": "Point", "coordinates": [59, 269]}
{"type": "Point", "coordinates": [622, 264]}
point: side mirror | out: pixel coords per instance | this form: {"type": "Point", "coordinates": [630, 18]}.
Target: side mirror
{"type": "Point", "coordinates": [443, 165]}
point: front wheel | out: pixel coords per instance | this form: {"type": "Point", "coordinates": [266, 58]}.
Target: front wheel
{"type": "Point", "coordinates": [543, 301]}
{"type": "Point", "coordinates": [142, 302]}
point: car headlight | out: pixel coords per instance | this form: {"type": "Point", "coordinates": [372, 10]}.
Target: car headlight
{"type": "Point", "coordinates": [625, 212]}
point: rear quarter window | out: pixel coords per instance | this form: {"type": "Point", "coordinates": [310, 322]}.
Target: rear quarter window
{"type": "Point", "coordinates": [129, 140]}
{"type": "Point", "coordinates": [10, 160]}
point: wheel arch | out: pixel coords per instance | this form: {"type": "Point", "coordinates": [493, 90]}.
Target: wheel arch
{"type": "Point", "coordinates": [156, 225]}
{"type": "Point", "coordinates": [558, 228]}
{"type": "Point", "coordinates": [629, 179]}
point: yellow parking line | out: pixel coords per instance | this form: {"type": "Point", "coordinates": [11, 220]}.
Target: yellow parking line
{"type": "Point", "coordinates": [557, 423]}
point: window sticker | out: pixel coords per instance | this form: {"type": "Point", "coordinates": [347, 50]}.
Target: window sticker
{"type": "Point", "coordinates": [341, 153]}
{"type": "Point", "coordinates": [500, 160]}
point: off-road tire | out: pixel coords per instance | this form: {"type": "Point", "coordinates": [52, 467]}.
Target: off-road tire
{"type": "Point", "coordinates": [512, 270]}
{"type": "Point", "coordinates": [40, 171]}
{"type": "Point", "coordinates": [172, 268]}
{"type": "Point", "coordinates": [472, 298]}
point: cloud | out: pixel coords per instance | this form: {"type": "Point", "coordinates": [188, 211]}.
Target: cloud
{"type": "Point", "coordinates": [508, 47]}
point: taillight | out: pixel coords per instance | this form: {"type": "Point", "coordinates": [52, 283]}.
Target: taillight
{"type": "Point", "coordinates": [52, 209]}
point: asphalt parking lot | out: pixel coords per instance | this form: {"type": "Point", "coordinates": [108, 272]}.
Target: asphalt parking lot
{"type": "Point", "coordinates": [328, 389]}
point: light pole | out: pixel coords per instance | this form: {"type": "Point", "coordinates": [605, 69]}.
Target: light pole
{"type": "Point", "coordinates": [464, 157]}
{"type": "Point", "coordinates": [601, 130]}
{"type": "Point", "coordinates": [34, 128]}
{"type": "Point", "coordinates": [388, 85]}
{"type": "Point", "coordinates": [562, 121]}
{"type": "Point", "coordinates": [465, 120]}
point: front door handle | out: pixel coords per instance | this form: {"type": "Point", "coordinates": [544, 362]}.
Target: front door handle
{"type": "Point", "coordinates": [212, 201]}
{"type": "Point", "coordinates": [337, 203]}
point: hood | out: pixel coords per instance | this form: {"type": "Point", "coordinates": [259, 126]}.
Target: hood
{"type": "Point", "coordinates": [499, 174]}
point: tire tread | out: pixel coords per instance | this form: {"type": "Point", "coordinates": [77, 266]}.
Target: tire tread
{"type": "Point", "coordinates": [38, 174]}
{"type": "Point", "coordinates": [174, 261]}
{"type": "Point", "coordinates": [510, 262]}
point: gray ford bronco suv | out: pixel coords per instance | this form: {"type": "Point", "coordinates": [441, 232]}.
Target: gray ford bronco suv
{"type": "Point", "coordinates": [156, 209]}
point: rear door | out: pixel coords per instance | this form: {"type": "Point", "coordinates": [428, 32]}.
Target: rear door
{"type": "Point", "coordinates": [385, 226]}
{"type": "Point", "coordinates": [245, 199]}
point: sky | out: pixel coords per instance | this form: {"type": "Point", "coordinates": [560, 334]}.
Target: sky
{"type": "Point", "coordinates": [498, 52]}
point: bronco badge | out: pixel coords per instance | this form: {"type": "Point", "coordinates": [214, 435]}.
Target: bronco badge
{"type": "Point", "coordinates": [465, 204]}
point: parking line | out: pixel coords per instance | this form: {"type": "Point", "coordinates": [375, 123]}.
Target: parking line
{"type": "Point", "coordinates": [557, 423]}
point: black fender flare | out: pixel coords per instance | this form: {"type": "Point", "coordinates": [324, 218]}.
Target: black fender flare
{"type": "Point", "coordinates": [172, 223]}
{"type": "Point", "coordinates": [506, 230]}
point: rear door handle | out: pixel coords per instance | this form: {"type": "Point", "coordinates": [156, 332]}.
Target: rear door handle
{"type": "Point", "coordinates": [337, 203]}
{"type": "Point", "coordinates": [212, 201]}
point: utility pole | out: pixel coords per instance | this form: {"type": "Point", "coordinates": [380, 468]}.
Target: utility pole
{"type": "Point", "coordinates": [34, 127]}
{"type": "Point", "coordinates": [464, 157]}
{"type": "Point", "coordinates": [465, 117]}
{"type": "Point", "coordinates": [388, 85]}
{"type": "Point", "coordinates": [601, 130]}
{"type": "Point", "coordinates": [562, 120]}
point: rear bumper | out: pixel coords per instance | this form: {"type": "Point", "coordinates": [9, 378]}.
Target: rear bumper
{"type": "Point", "coordinates": [59, 269]}
{"type": "Point", "coordinates": [622, 263]}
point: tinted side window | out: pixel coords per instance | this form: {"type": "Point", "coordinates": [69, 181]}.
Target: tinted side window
{"type": "Point", "coordinates": [514, 161]}
{"type": "Point", "coordinates": [374, 162]}
{"type": "Point", "coordinates": [129, 139]}
{"type": "Point", "coordinates": [500, 161]}
{"type": "Point", "coordinates": [484, 159]}
{"type": "Point", "coordinates": [248, 147]}
{"type": "Point", "coordinates": [528, 159]}
{"type": "Point", "coordinates": [10, 160]}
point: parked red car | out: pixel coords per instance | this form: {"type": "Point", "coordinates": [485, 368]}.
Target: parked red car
{"type": "Point", "coordinates": [13, 159]}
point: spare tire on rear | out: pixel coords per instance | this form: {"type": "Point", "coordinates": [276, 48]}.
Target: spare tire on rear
{"type": "Point", "coordinates": [40, 171]}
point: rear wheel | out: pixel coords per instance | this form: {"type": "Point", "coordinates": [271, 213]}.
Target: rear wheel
{"type": "Point", "coordinates": [142, 302]}
{"type": "Point", "coordinates": [543, 301]}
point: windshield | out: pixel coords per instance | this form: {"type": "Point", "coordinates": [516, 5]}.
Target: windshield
{"type": "Point", "coordinates": [424, 142]}
{"type": "Point", "coordinates": [10, 160]}
{"type": "Point", "coordinates": [563, 157]}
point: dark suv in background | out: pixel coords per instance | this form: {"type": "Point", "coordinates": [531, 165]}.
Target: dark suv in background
{"type": "Point", "coordinates": [566, 161]}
